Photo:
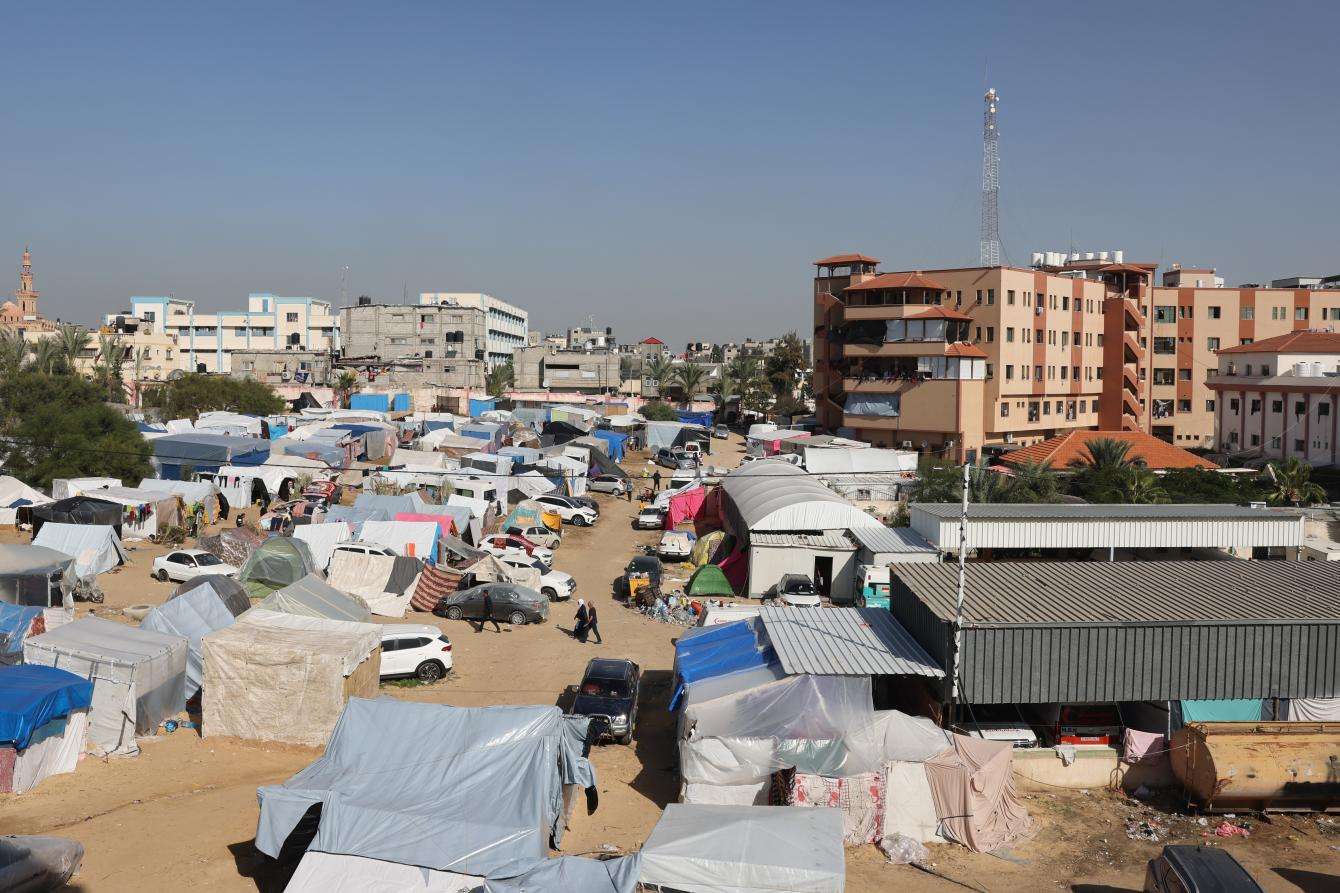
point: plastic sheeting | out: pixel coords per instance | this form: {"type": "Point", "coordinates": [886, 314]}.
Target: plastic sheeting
{"type": "Point", "coordinates": [192, 616]}
{"type": "Point", "coordinates": [55, 749]}
{"type": "Point", "coordinates": [745, 849]}
{"type": "Point", "coordinates": [313, 597]}
{"type": "Point", "coordinates": [280, 677]}
{"type": "Point", "coordinates": [491, 783]}
{"type": "Point", "coordinates": [685, 506]}
{"type": "Point", "coordinates": [14, 494]}
{"type": "Point", "coordinates": [416, 539]}
{"type": "Point", "coordinates": [383, 582]}
{"type": "Point", "coordinates": [973, 787]}
{"type": "Point", "coordinates": [1242, 710]}
{"type": "Point", "coordinates": [719, 651]}
{"type": "Point", "coordinates": [32, 696]}
{"type": "Point", "coordinates": [278, 562]}
{"type": "Point", "coordinates": [889, 405]}
{"type": "Point", "coordinates": [78, 510]}
{"type": "Point", "coordinates": [333, 873]}
{"type": "Point", "coordinates": [95, 548]}
{"type": "Point", "coordinates": [614, 442]}
{"type": "Point", "coordinates": [1312, 710]}
{"type": "Point", "coordinates": [139, 676]}
{"type": "Point", "coordinates": [321, 539]}
{"type": "Point", "coordinates": [16, 624]}
{"type": "Point", "coordinates": [225, 589]}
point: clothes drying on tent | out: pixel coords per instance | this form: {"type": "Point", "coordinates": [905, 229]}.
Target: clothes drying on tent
{"type": "Point", "coordinates": [276, 563]}
{"type": "Point", "coordinates": [43, 725]}
{"type": "Point", "coordinates": [192, 616]}
{"type": "Point", "coordinates": [95, 548]}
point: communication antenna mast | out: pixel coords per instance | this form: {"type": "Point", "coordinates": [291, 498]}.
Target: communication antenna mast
{"type": "Point", "coordinates": [990, 234]}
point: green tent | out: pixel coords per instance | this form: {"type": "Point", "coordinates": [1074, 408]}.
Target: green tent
{"type": "Point", "coordinates": [278, 562]}
{"type": "Point", "coordinates": [708, 580]}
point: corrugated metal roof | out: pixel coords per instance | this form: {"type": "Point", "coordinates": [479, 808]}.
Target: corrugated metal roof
{"type": "Point", "coordinates": [802, 540]}
{"type": "Point", "coordinates": [1070, 511]}
{"type": "Point", "coordinates": [891, 539]}
{"type": "Point", "coordinates": [845, 642]}
{"type": "Point", "coordinates": [1131, 591]}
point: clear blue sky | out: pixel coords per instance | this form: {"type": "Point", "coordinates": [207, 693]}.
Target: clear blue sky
{"type": "Point", "coordinates": [669, 169]}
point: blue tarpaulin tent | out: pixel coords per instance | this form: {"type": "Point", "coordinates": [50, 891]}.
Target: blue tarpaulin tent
{"type": "Point", "coordinates": [15, 621]}
{"type": "Point", "coordinates": [695, 418]}
{"type": "Point", "coordinates": [32, 695]}
{"type": "Point", "coordinates": [719, 650]}
{"type": "Point", "coordinates": [614, 441]}
{"type": "Point", "coordinates": [205, 452]}
{"type": "Point", "coordinates": [479, 406]}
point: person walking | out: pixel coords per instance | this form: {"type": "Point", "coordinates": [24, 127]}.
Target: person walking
{"type": "Point", "coordinates": [656, 481]}
{"type": "Point", "coordinates": [593, 624]}
{"type": "Point", "coordinates": [488, 615]}
{"type": "Point", "coordinates": [579, 627]}
{"type": "Point", "coordinates": [628, 491]}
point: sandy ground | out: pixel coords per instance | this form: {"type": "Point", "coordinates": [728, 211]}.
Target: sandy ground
{"type": "Point", "coordinates": [184, 811]}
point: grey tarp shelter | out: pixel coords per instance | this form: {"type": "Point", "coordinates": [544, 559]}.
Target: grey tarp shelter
{"type": "Point", "coordinates": [278, 562]}
{"type": "Point", "coordinates": [95, 548]}
{"type": "Point", "coordinates": [35, 576]}
{"type": "Point", "coordinates": [138, 675]}
{"type": "Point", "coordinates": [226, 589]}
{"type": "Point", "coordinates": [313, 597]}
{"type": "Point", "coordinates": [471, 790]}
{"type": "Point", "coordinates": [698, 848]}
{"type": "Point", "coordinates": [194, 615]}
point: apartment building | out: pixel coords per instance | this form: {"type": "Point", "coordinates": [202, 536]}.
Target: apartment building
{"type": "Point", "coordinates": [205, 342]}
{"type": "Point", "coordinates": [953, 361]}
{"type": "Point", "coordinates": [507, 325]}
{"type": "Point", "coordinates": [446, 342]}
{"type": "Point", "coordinates": [282, 367]}
{"type": "Point", "coordinates": [1280, 397]}
{"type": "Point", "coordinates": [550, 368]}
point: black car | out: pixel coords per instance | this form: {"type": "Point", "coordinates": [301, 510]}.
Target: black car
{"type": "Point", "coordinates": [645, 564]}
{"type": "Point", "coordinates": [608, 694]}
{"type": "Point", "coordinates": [1197, 869]}
{"type": "Point", "coordinates": [515, 604]}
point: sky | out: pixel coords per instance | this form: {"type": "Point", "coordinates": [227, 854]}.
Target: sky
{"type": "Point", "coordinates": [665, 169]}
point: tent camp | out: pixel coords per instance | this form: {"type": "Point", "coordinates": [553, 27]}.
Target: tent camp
{"type": "Point", "coordinates": [200, 497]}
{"type": "Point", "coordinates": [14, 495]}
{"type": "Point", "coordinates": [16, 624]}
{"type": "Point", "coordinates": [225, 589]}
{"type": "Point", "coordinates": [233, 545]}
{"type": "Point", "coordinates": [417, 539]}
{"type": "Point", "coordinates": [313, 597]}
{"type": "Point", "coordinates": [139, 676]}
{"type": "Point", "coordinates": [178, 456]}
{"type": "Point", "coordinates": [321, 539]}
{"type": "Point", "coordinates": [496, 792]}
{"type": "Point", "coordinates": [384, 582]}
{"type": "Point", "coordinates": [276, 563]}
{"type": "Point", "coordinates": [193, 616]}
{"type": "Point", "coordinates": [65, 487]}
{"type": "Point", "coordinates": [708, 581]}
{"type": "Point", "coordinates": [43, 724]}
{"type": "Point", "coordinates": [78, 510]}
{"type": "Point", "coordinates": [95, 548]}
{"type": "Point", "coordinates": [697, 848]}
{"type": "Point", "coordinates": [280, 677]}
{"type": "Point", "coordinates": [35, 576]}
{"type": "Point", "coordinates": [143, 512]}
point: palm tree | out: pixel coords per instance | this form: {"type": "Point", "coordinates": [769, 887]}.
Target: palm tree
{"type": "Point", "coordinates": [986, 486]}
{"type": "Point", "coordinates": [13, 350]}
{"type": "Point", "coordinates": [658, 369]}
{"type": "Point", "coordinates": [141, 356]}
{"type": "Point", "coordinates": [111, 356]}
{"type": "Point", "coordinates": [1035, 482]}
{"type": "Point", "coordinates": [499, 379]}
{"type": "Point", "coordinates": [725, 389]}
{"type": "Point", "coordinates": [1106, 454]}
{"type": "Point", "coordinates": [1140, 486]}
{"type": "Point", "coordinates": [72, 341]}
{"type": "Point", "coordinates": [690, 378]}
{"type": "Point", "coordinates": [1292, 483]}
{"type": "Point", "coordinates": [45, 354]}
{"type": "Point", "coordinates": [344, 385]}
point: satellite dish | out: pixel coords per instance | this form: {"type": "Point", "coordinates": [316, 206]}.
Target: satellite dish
{"type": "Point", "coordinates": [175, 375]}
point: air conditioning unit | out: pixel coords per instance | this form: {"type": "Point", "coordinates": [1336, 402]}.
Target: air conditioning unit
{"type": "Point", "coordinates": [907, 444]}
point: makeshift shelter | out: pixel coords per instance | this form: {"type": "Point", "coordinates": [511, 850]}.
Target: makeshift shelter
{"type": "Point", "coordinates": [138, 675]}
{"type": "Point", "coordinates": [192, 616]}
{"type": "Point", "coordinates": [495, 791]}
{"type": "Point", "coordinates": [331, 453]}
{"type": "Point", "coordinates": [14, 495]}
{"type": "Point", "coordinates": [470, 515]}
{"type": "Point", "coordinates": [65, 487]}
{"type": "Point", "coordinates": [78, 510]}
{"type": "Point", "coordinates": [708, 581]}
{"type": "Point", "coordinates": [614, 442]}
{"type": "Point", "coordinates": [446, 522]}
{"type": "Point", "coordinates": [321, 539]}
{"type": "Point", "coordinates": [559, 432]}
{"type": "Point", "coordinates": [279, 677]}
{"type": "Point", "coordinates": [200, 497]}
{"type": "Point", "coordinates": [973, 787]}
{"type": "Point", "coordinates": [242, 485]}
{"type": "Point", "coordinates": [225, 589]}
{"type": "Point", "coordinates": [143, 512]}
{"type": "Point", "coordinates": [43, 724]}
{"type": "Point", "coordinates": [417, 539]}
{"type": "Point", "coordinates": [745, 849]}
{"type": "Point", "coordinates": [276, 563]}
{"type": "Point", "coordinates": [383, 582]}
{"type": "Point", "coordinates": [313, 597]}
{"type": "Point", "coordinates": [95, 548]}
{"type": "Point", "coordinates": [35, 576]}
{"type": "Point", "coordinates": [233, 545]}
{"type": "Point", "coordinates": [685, 506]}
{"type": "Point", "coordinates": [690, 417]}
{"type": "Point", "coordinates": [16, 624]}
{"type": "Point", "coordinates": [178, 456]}
{"type": "Point", "coordinates": [707, 548]}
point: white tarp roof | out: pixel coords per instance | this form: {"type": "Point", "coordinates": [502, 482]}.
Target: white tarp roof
{"type": "Point", "coordinates": [189, 491]}
{"type": "Point", "coordinates": [272, 475]}
{"type": "Point", "coordinates": [12, 490]}
{"type": "Point", "coordinates": [420, 458]}
{"type": "Point", "coordinates": [321, 539]}
{"type": "Point", "coordinates": [129, 495]}
{"type": "Point", "coordinates": [632, 420]}
{"type": "Point", "coordinates": [193, 614]}
{"type": "Point", "coordinates": [337, 873]}
{"type": "Point", "coordinates": [63, 487]}
{"type": "Point", "coordinates": [829, 460]}
{"type": "Point", "coordinates": [699, 848]}
{"type": "Point", "coordinates": [313, 597]}
{"type": "Point", "coordinates": [445, 437]}
{"type": "Point", "coordinates": [532, 484]}
{"type": "Point", "coordinates": [291, 460]}
{"type": "Point", "coordinates": [396, 535]}
{"type": "Point", "coordinates": [95, 548]}
{"type": "Point", "coordinates": [778, 496]}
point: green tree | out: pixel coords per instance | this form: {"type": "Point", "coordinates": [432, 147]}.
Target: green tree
{"type": "Point", "coordinates": [57, 426]}
{"type": "Point", "coordinates": [1035, 482]}
{"type": "Point", "coordinates": [985, 485]}
{"type": "Point", "coordinates": [13, 351]}
{"type": "Point", "coordinates": [46, 356]}
{"type": "Point", "coordinates": [1292, 484]}
{"type": "Point", "coordinates": [658, 369]}
{"type": "Point", "coordinates": [111, 357]}
{"type": "Point", "coordinates": [724, 389]}
{"type": "Point", "coordinates": [788, 405]}
{"type": "Point", "coordinates": [658, 411]}
{"type": "Point", "coordinates": [689, 377]}
{"type": "Point", "coordinates": [1201, 485]}
{"type": "Point", "coordinates": [344, 386]}
{"type": "Point", "coordinates": [785, 364]}
{"type": "Point", "coordinates": [937, 482]}
{"type": "Point", "coordinates": [499, 379]}
{"type": "Point", "coordinates": [190, 395]}
{"type": "Point", "coordinates": [1102, 474]}
{"type": "Point", "coordinates": [72, 341]}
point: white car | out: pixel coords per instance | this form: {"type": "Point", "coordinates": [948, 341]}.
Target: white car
{"type": "Point", "coordinates": [570, 512]}
{"type": "Point", "coordinates": [538, 534]}
{"type": "Point", "coordinates": [502, 544]}
{"type": "Point", "coordinates": [650, 519]}
{"type": "Point", "coordinates": [554, 585]}
{"type": "Point", "coordinates": [675, 545]}
{"type": "Point", "coordinates": [360, 548]}
{"type": "Point", "coordinates": [187, 564]}
{"type": "Point", "coordinates": [609, 483]}
{"type": "Point", "coordinates": [415, 649]}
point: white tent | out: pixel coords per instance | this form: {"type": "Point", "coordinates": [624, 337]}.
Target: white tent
{"type": "Point", "coordinates": [95, 548]}
{"type": "Point", "coordinates": [13, 493]}
{"type": "Point", "coordinates": [632, 420]}
{"type": "Point", "coordinates": [414, 538]}
{"type": "Point", "coordinates": [322, 539]}
{"type": "Point", "coordinates": [64, 487]}
{"type": "Point", "coordinates": [148, 505]}
{"type": "Point", "coordinates": [338, 873]}
{"type": "Point", "coordinates": [191, 493]}
{"type": "Point", "coordinates": [776, 496]}
{"type": "Point", "coordinates": [418, 459]}
{"type": "Point", "coordinates": [222, 422]}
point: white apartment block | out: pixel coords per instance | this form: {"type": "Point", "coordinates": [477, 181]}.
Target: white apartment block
{"type": "Point", "coordinates": [508, 325]}
{"type": "Point", "coordinates": [205, 342]}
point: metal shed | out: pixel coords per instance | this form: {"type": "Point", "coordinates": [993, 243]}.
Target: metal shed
{"type": "Point", "coordinates": [844, 642]}
{"type": "Point", "coordinates": [1069, 526]}
{"type": "Point", "coordinates": [1084, 632]}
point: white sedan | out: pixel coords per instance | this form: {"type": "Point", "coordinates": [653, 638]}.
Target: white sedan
{"type": "Point", "coordinates": [187, 564]}
{"type": "Point", "coordinates": [571, 512]}
{"type": "Point", "coordinates": [554, 585]}
{"type": "Point", "coordinates": [415, 649]}
{"type": "Point", "coordinates": [501, 544]}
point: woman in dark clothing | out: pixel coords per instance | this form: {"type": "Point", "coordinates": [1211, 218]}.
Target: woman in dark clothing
{"type": "Point", "coordinates": [579, 631]}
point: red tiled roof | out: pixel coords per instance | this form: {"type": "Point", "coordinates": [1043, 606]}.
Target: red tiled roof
{"type": "Point", "coordinates": [1304, 341]}
{"type": "Point", "coordinates": [915, 279]}
{"type": "Point", "coordinates": [839, 260]}
{"type": "Point", "coordinates": [1060, 451]}
{"type": "Point", "coordinates": [961, 349]}
{"type": "Point", "coordinates": [941, 313]}
{"type": "Point", "coordinates": [1127, 268]}
{"type": "Point", "coordinates": [652, 340]}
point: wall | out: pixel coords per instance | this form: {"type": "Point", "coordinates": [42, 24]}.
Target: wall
{"type": "Point", "coordinates": [768, 563]}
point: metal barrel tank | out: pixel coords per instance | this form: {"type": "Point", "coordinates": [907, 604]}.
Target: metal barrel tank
{"type": "Point", "coordinates": [1259, 765]}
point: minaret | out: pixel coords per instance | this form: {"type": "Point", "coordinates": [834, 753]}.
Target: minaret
{"type": "Point", "coordinates": [26, 296]}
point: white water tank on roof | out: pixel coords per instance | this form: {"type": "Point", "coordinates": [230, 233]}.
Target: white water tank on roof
{"type": "Point", "coordinates": [1117, 256]}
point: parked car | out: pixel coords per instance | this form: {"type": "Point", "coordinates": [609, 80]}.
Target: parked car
{"type": "Point", "coordinates": [571, 511]}
{"type": "Point", "coordinates": [721, 432]}
{"type": "Point", "coordinates": [187, 564]}
{"type": "Point", "coordinates": [997, 724]}
{"type": "Point", "coordinates": [358, 547]}
{"type": "Point", "coordinates": [794, 590]}
{"type": "Point", "coordinates": [1086, 725]}
{"type": "Point", "coordinates": [645, 564]}
{"type": "Point", "coordinates": [650, 518]}
{"type": "Point", "coordinates": [609, 693]}
{"type": "Point", "coordinates": [609, 483]}
{"type": "Point", "coordinates": [671, 458]}
{"type": "Point", "coordinates": [1188, 868]}
{"type": "Point", "coordinates": [554, 585]}
{"type": "Point", "coordinates": [415, 649]}
{"type": "Point", "coordinates": [537, 534]}
{"type": "Point", "coordinates": [675, 545]}
{"type": "Point", "coordinates": [501, 543]}
{"type": "Point", "coordinates": [515, 604]}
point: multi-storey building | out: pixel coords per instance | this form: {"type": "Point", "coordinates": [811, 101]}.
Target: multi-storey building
{"type": "Point", "coordinates": [1280, 397]}
{"type": "Point", "coordinates": [446, 343]}
{"type": "Point", "coordinates": [508, 326]}
{"type": "Point", "coordinates": [206, 341]}
{"type": "Point", "coordinates": [953, 361]}
{"type": "Point", "coordinates": [283, 367]}
{"type": "Point", "coordinates": [548, 368]}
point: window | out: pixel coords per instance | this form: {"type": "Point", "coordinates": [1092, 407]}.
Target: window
{"type": "Point", "coordinates": [1009, 334]}
{"type": "Point", "coordinates": [1004, 409]}
{"type": "Point", "coordinates": [1046, 407]}
{"type": "Point", "coordinates": [990, 333]}
{"type": "Point", "coordinates": [1074, 372]}
{"type": "Point", "coordinates": [1299, 445]}
{"type": "Point", "coordinates": [1300, 313]}
{"type": "Point", "coordinates": [1233, 404]}
{"type": "Point", "coordinates": [1037, 373]}
{"type": "Point", "coordinates": [1256, 440]}
{"type": "Point", "coordinates": [1100, 340]}
{"type": "Point", "coordinates": [989, 372]}
{"type": "Point", "coordinates": [1065, 302]}
{"type": "Point", "coordinates": [1299, 407]}
{"type": "Point", "coordinates": [1025, 372]}
{"type": "Point", "coordinates": [991, 296]}
{"type": "Point", "coordinates": [291, 317]}
{"type": "Point", "coordinates": [978, 336]}
{"type": "Point", "coordinates": [1274, 442]}
{"type": "Point", "coordinates": [1037, 334]}
{"type": "Point", "coordinates": [979, 296]}
{"type": "Point", "coordinates": [1277, 313]}
{"type": "Point", "coordinates": [1333, 313]}
{"type": "Point", "coordinates": [1247, 370]}
{"type": "Point", "coordinates": [1163, 376]}
{"type": "Point", "coordinates": [1183, 374]}
{"type": "Point", "coordinates": [1009, 372]}
{"type": "Point", "coordinates": [1233, 437]}
{"type": "Point", "coordinates": [1249, 313]}
{"type": "Point", "coordinates": [1212, 343]}
{"type": "Point", "coordinates": [1009, 297]}
{"type": "Point", "coordinates": [1065, 370]}
{"type": "Point", "coordinates": [1214, 312]}
{"type": "Point", "coordinates": [1255, 406]}
{"type": "Point", "coordinates": [1209, 406]}
{"type": "Point", "coordinates": [1183, 405]}
{"type": "Point", "coordinates": [1065, 339]}
{"type": "Point", "coordinates": [1033, 410]}
{"type": "Point", "coordinates": [1277, 406]}
{"type": "Point", "coordinates": [1165, 345]}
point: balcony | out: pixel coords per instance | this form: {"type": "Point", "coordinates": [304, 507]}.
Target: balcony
{"type": "Point", "coordinates": [1130, 403]}
{"type": "Point", "coordinates": [1132, 344]}
{"type": "Point", "coordinates": [1129, 423]}
{"type": "Point", "coordinates": [1130, 379]}
{"type": "Point", "coordinates": [1131, 311]}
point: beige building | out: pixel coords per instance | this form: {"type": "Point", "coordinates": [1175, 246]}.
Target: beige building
{"type": "Point", "coordinates": [548, 368]}
{"type": "Point", "coordinates": [442, 344]}
{"type": "Point", "coordinates": [284, 367]}
{"type": "Point", "coordinates": [507, 327]}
